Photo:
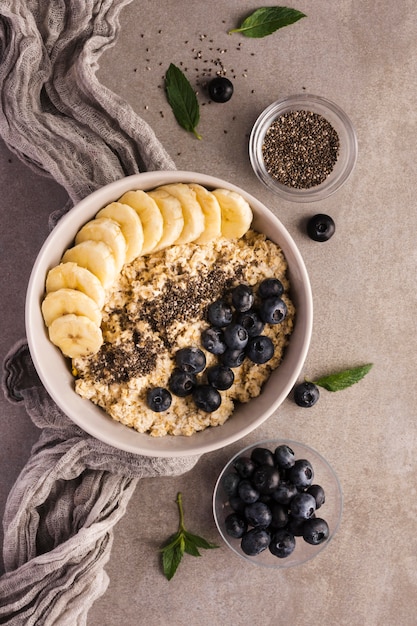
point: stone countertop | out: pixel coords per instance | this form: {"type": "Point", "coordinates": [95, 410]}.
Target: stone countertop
{"type": "Point", "coordinates": [361, 56]}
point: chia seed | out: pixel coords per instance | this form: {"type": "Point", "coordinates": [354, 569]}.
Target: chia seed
{"type": "Point", "coordinates": [300, 149]}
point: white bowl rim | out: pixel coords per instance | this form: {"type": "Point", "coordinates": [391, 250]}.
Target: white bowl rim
{"type": "Point", "coordinates": [83, 412]}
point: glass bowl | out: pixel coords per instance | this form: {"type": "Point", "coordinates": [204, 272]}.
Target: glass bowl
{"type": "Point", "coordinates": [330, 510]}
{"type": "Point", "coordinates": [347, 154]}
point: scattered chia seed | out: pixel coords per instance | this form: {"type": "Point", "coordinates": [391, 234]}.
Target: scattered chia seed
{"type": "Point", "coordinates": [300, 149]}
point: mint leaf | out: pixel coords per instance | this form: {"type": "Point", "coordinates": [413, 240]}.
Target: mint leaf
{"type": "Point", "coordinates": [182, 542]}
{"type": "Point", "coordinates": [267, 20]}
{"type": "Point", "coordinates": [343, 379]}
{"type": "Point", "coordinates": [182, 99]}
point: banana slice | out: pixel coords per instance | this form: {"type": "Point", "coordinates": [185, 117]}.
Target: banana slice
{"type": "Point", "coordinates": [95, 256]}
{"type": "Point", "coordinates": [211, 211]}
{"type": "Point", "coordinates": [191, 211]}
{"type": "Point", "coordinates": [109, 231]}
{"type": "Point", "coordinates": [73, 276]}
{"type": "Point", "coordinates": [236, 213]}
{"type": "Point", "coordinates": [75, 335]}
{"type": "Point", "coordinates": [150, 216]}
{"type": "Point", "coordinates": [171, 211]}
{"type": "Point", "coordinates": [130, 225]}
{"type": "Point", "coordinates": [64, 301]}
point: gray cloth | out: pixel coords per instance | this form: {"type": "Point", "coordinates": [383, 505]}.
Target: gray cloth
{"type": "Point", "coordinates": [61, 513]}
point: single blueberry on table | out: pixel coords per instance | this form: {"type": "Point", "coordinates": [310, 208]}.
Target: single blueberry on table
{"type": "Point", "coordinates": [260, 349]}
{"type": "Point", "coordinates": [306, 394]}
{"type": "Point", "coordinates": [235, 336]}
{"type": "Point", "coordinates": [270, 287]}
{"type": "Point", "coordinates": [273, 310]}
{"type": "Point", "coordinates": [282, 544]}
{"type": "Point", "coordinates": [255, 541]}
{"type": "Point", "coordinates": [251, 321]}
{"type": "Point", "coordinates": [220, 377]}
{"type": "Point", "coordinates": [242, 298]}
{"type": "Point", "coordinates": [220, 89]}
{"type": "Point", "coordinates": [303, 506]}
{"type": "Point", "coordinates": [181, 383]}
{"type": "Point", "coordinates": [219, 313]}
{"type": "Point", "coordinates": [192, 360]}
{"type": "Point", "coordinates": [321, 227]}
{"type": "Point", "coordinates": [213, 341]}
{"type": "Point", "coordinates": [315, 531]}
{"type": "Point", "coordinates": [258, 514]}
{"type": "Point", "coordinates": [206, 398]}
{"type": "Point", "coordinates": [235, 525]}
{"type": "Point", "coordinates": [158, 399]}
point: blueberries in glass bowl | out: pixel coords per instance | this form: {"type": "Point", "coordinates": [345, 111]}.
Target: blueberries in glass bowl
{"type": "Point", "coordinates": [266, 505]}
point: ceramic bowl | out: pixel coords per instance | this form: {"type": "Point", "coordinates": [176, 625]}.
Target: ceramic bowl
{"type": "Point", "coordinates": [330, 511]}
{"type": "Point", "coordinates": [348, 146]}
{"type": "Point", "coordinates": [54, 370]}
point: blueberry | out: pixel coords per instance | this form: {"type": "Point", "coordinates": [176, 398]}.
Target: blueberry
{"type": "Point", "coordinates": [235, 525]}
{"type": "Point", "coordinates": [279, 515]}
{"type": "Point", "coordinates": [235, 336]}
{"type": "Point", "coordinates": [273, 310]}
{"type": "Point", "coordinates": [260, 349]}
{"type": "Point", "coordinates": [284, 456]}
{"type": "Point", "coordinates": [244, 466]}
{"type": "Point", "coordinates": [262, 456]}
{"type": "Point", "coordinates": [258, 514]}
{"type": "Point", "coordinates": [282, 544]}
{"type": "Point", "coordinates": [265, 479]}
{"type": "Point", "coordinates": [270, 287]}
{"type": "Point", "coordinates": [301, 474]}
{"type": "Point", "coordinates": [181, 383]}
{"type": "Point", "coordinates": [192, 360]}
{"type": "Point", "coordinates": [318, 493]}
{"type": "Point", "coordinates": [284, 492]}
{"type": "Point", "coordinates": [251, 321]}
{"type": "Point", "coordinates": [306, 394]}
{"type": "Point", "coordinates": [159, 399]}
{"type": "Point", "coordinates": [242, 298]}
{"type": "Point", "coordinates": [315, 531]}
{"type": "Point", "coordinates": [230, 483]}
{"type": "Point", "coordinates": [219, 313]}
{"type": "Point", "coordinates": [303, 506]}
{"type": "Point", "coordinates": [321, 227]}
{"type": "Point", "coordinates": [255, 541]}
{"type": "Point", "coordinates": [247, 491]}
{"type": "Point", "coordinates": [207, 398]}
{"type": "Point", "coordinates": [237, 504]}
{"type": "Point", "coordinates": [220, 377]}
{"type": "Point", "coordinates": [233, 358]}
{"type": "Point", "coordinates": [220, 89]}
{"type": "Point", "coordinates": [212, 340]}
{"type": "Point", "coordinates": [295, 526]}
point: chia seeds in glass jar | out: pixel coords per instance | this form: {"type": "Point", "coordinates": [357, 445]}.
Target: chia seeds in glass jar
{"type": "Point", "coordinates": [300, 149]}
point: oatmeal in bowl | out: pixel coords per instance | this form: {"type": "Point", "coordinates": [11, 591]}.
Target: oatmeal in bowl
{"type": "Point", "coordinates": [194, 327]}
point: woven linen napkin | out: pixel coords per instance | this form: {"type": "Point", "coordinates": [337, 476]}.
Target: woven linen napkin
{"type": "Point", "coordinates": [57, 117]}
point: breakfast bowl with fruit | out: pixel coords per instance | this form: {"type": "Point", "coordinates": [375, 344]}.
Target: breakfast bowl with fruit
{"type": "Point", "coordinates": [277, 503]}
{"type": "Point", "coordinates": [169, 313]}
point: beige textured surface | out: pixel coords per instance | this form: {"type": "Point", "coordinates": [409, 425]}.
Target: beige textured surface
{"type": "Point", "coordinates": [362, 56]}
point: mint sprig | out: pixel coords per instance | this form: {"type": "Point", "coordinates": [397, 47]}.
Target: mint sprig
{"type": "Point", "coordinates": [182, 99]}
{"type": "Point", "coordinates": [345, 378]}
{"type": "Point", "coordinates": [180, 543]}
{"type": "Point", "coordinates": [267, 20]}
